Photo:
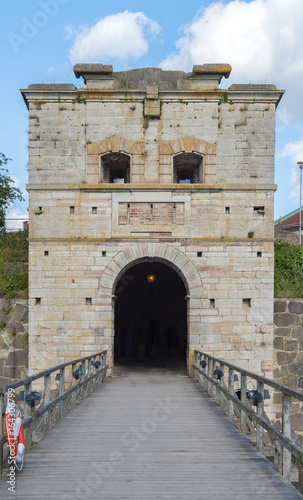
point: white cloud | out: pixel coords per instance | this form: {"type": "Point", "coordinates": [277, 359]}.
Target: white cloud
{"type": "Point", "coordinates": [124, 35]}
{"type": "Point", "coordinates": [14, 219]}
{"type": "Point", "coordinates": [294, 150]}
{"type": "Point", "coordinates": [261, 39]}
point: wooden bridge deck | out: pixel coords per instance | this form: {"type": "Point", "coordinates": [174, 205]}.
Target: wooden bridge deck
{"type": "Point", "coordinates": [147, 435]}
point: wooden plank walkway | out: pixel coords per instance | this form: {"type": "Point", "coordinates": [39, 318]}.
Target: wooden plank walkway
{"type": "Point", "coordinates": [147, 435]}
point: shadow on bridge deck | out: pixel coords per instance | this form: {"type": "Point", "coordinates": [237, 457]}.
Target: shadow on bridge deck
{"type": "Point", "coordinates": [147, 434]}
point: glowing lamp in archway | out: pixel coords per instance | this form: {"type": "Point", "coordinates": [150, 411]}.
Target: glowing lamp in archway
{"type": "Point", "coordinates": [151, 278]}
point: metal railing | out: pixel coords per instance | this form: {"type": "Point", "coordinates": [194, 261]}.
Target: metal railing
{"type": "Point", "coordinates": [58, 389]}
{"type": "Point", "coordinates": [287, 447]}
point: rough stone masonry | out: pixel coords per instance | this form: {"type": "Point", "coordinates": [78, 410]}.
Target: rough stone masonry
{"type": "Point", "coordinates": [151, 166]}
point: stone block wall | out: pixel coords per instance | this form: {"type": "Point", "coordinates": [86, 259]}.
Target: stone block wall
{"type": "Point", "coordinates": [13, 340]}
{"type": "Point", "coordinates": [288, 352]}
{"type": "Point", "coordinates": [85, 232]}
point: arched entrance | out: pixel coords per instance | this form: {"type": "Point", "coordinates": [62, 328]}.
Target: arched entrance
{"type": "Point", "coordinates": [150, 315]}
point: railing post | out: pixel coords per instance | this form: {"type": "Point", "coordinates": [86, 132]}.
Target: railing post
{"type": "Point", "coordinates": [197, 358]}
{"type": "Point", "coordinates": [26, 415]}
{"type": "Point", "coordinates": [244, 401]}
{"type": "Point", "coordinates": [231, 391]}
{"type": "Point", "coordinates": [104, 355]}
{"type": "Point", "coordinates": [94, 371]}
{"type": "Point", "coordinates": [47, 398]}
{"type": "Point", "coordinates": [286, 429]}
{"type": "Point", "coordinates": [260, 388]}
{"type": "Point", "coordinates": [62, 389]}
{"type": "Point", "coordinates": [2, 410]}
{"type": "Point", "coordinates": [208, 371]}
{"type": "Point", "coordinates": [202, 378]}
{"type": "Point", "coordinates": [221, 384]}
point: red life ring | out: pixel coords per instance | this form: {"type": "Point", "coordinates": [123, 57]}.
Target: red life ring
{"type": "Point", "coordinates": [14, 431]}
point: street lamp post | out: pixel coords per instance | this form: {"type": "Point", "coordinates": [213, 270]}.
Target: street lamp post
{"type": "Point", "coordinates": [300, 165]}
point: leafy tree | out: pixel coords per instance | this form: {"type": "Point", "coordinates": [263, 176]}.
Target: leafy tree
{"type": "Point", "coordinates": [8, 192]}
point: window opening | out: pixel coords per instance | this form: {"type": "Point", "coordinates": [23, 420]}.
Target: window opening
{"type": "Point", "coordinates": [246, 302]}
{"type": "Point", "coordinates": [259, 210]}
{"type": "Point", "coordinates": [188, 168]}
{"type": "Point", "coordinates": [115, 168]}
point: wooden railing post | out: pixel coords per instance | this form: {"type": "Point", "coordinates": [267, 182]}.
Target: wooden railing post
{"type": "Point", "coordinates": [231, 391]}
{"type": "Point", "coordinates": [208, 371]}
{"type": "Point", "coordinates": [104, 362]}
{"type": "Point", "coordinates": [286, 429]}
{"type": "Point", "coordinates": [221, 384]}
{"type": "Point", "coordinates": [243, 400]}
{"type": "Point", "coordinates": [260, 388]}
{"type": "Point", "coordinates": [62, 390]}
{"type": "Point", "coordinates": [197, 358]}
{"type": "Point", "coordinates": [47, 398]}
{"type": "Point", "coordinates": [27, 414]}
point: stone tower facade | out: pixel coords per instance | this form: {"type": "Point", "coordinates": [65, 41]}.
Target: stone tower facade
{"type": "Point", "coordinates": [151, 168]}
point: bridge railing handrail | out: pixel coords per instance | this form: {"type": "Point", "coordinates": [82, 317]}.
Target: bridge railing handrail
{"type": "Point", "coordinates": [286, 437]}
{"type": "Point", "coordinates": [48, 371]}
{"type": "Point", "coordinates": [93, 371]}
{"type": "Point", "coordinates": [266, 381]}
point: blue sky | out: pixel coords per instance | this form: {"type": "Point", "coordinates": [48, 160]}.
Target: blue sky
{"type": "Point", "coordinates": [41, 40]}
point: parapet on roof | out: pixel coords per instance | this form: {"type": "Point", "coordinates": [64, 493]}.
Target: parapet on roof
{"type": "Point", "coordinates": [202, 76]}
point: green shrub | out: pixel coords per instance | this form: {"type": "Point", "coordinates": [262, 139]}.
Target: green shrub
{"type": "Point", "coordinates": [288, 270]}
{"type": "Point", "coordinates": [14, 265]}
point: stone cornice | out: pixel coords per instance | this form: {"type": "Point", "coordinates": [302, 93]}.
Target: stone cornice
{"type": "Point", "coordinates": [117, 188]}
{"type": "Point", "coordinates": [232, 95]}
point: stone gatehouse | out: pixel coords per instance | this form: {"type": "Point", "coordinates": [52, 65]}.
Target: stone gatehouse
{"type": "Point", "coordinates": [151, 217]}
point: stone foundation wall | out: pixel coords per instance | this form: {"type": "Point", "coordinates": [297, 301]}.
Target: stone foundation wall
{"type": "Point", "coordinates": [13, 340]}
{"type": "Point", "coordinates": [288, 351]}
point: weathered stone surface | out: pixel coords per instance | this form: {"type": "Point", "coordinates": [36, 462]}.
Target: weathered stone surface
{"type": "Point", "coordinates": [3, 345]}
{"type": "Point", "coordinates": [284, 319]}
{"type": "Point", "coordinates": [291, 345]}
{"type": "Point", "coordinates": [15, 327]}
{"type": "Point", "coordinates": [21, 358]}
{"type": "Point", "coordinates": [297, 422]}
{"type": "Point", "coordinates": [291, 381]}
{"type": "Point", "coordinates": [279, 343]}
{"type": "Point", "coordinates": [20, 313]}
{"type": "Point", "coordinates": [277, 398]}
{"type": "Point", "coordinates": [12, 372]}
{"type": "Point", "coordinates": [295, 307]}
{"type": "Point", "coordinates": [280, 306]}
{"type": "Point", "coordinates": [296, 369]}
{"type": "Point", "coordinates": [285, 358]}
{"type": "Point", "coordinates": [282, 332]}
{"type": "Point", "coordinates": [19, 342]}
{"type": "Point", "coordinates": [297, 332]}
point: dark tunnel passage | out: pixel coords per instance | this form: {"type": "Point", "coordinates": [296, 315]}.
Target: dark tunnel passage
{"type": "Point", "coordinates": [150, 315]}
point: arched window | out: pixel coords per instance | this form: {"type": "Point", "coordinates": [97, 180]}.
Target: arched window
{"type": "Point", "coordinates": [188, 168]}
{"type": "Point", "coordinates": [115, 168]}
